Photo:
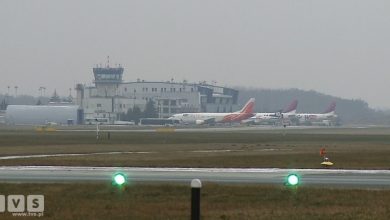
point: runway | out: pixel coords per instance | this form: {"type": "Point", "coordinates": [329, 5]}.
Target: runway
{"type": "Point", "coordinates": [189, 129]}
{"type": "Point", "coordinates": [378, 179]}
{"type": "Point", "coordinates": [232, 129]}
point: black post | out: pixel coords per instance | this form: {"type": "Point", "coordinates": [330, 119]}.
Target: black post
{"type": "Point", "coordinates": [196, 184]}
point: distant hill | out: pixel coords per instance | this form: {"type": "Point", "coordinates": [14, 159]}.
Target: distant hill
{"type": "Point", "coordinates": [350, 111]}
{"type": "Point", "coordinates": [271, 100]}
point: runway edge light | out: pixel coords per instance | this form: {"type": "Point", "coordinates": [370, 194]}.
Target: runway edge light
{"type": "Point", "coordinates": [292, 179]}
{"type": "Point", "coordinates": [119, 179]}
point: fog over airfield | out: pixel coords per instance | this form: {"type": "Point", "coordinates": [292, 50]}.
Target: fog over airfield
{"type": "Point", "coordinates": [338, 47]}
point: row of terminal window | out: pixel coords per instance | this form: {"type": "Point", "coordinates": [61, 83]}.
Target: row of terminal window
{"type": "Point", "coordinates": [166, 102]}
{"type": "Point", "coordinates": [162, 90]}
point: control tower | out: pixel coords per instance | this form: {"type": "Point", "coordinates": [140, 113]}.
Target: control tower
{"type": "Point", "coordinates": [108, 74]}
{"type": "Point", "coordinates": [107, 79]}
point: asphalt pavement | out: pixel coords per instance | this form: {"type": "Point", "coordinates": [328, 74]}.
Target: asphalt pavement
{"type": "Point", "coordinates": [379, 179]}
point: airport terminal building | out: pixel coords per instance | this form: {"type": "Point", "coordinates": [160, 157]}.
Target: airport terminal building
{"type": "Point", "coordinates": [110, 96]}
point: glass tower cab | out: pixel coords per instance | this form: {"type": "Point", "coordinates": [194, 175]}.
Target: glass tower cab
{"type": "Point", "coordinates": [111, 75]}
{"type": "Point", "coordinates": [107, 79]}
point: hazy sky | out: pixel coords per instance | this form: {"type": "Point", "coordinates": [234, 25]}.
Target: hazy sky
{"type": "Point", "coordinates": [339, 47]}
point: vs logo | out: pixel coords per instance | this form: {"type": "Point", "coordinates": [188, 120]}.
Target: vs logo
{"type": "Point", "coordinates": [19, 203]}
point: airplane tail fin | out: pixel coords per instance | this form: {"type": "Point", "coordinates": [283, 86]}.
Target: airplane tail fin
{"type": "Point", "coordinates": [249, 106]}
{"type": "Point", "coordinates": [331, 108]}
{"type": "Point", "coordinates": [291, 107]}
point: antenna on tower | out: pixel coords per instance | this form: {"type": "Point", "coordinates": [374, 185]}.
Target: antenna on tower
{"type": "Point", "coordinates": [108, 61]}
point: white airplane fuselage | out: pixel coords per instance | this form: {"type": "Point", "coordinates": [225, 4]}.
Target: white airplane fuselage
{"type": "Point", "coordinates": [268, 117]}
{"type": "Point", "coordinates": [210, 118]}
{"type": "Point", "coordinates": [201, 118]}
{"type": "Point", "coordinates": [307, 117]}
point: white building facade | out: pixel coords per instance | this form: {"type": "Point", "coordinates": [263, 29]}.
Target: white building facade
{"type": "Point", "coordinates": [111, 96]}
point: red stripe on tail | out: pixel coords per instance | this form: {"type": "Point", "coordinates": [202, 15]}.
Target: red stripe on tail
{"type": "Point", "coordinates": [291, 107]}
{"type": "Point", "coordinates": [249, 106]}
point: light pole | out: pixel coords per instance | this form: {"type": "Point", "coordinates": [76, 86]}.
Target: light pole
{"type": "Point", "coordinates": [196, 185]}
{"type": "Point", "coordinates": [97, 129]}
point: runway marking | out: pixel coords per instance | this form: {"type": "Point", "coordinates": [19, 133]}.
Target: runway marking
{"type": "Point", "coordinates": [213, 151]}
{"type": "Point", "coordinates": [274, 149]}
{"type": "Point", "coordinates": [210, 170]}
{"type": "Point", "coordinates": [65, 155]}
{"type": "Point", "coordinates": [115, 152]}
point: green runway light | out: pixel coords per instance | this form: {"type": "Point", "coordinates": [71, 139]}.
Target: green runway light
{"type": "Point", "coordinates": [292, 180]}
{"type": "Point", "coordinates": [119, 179]}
